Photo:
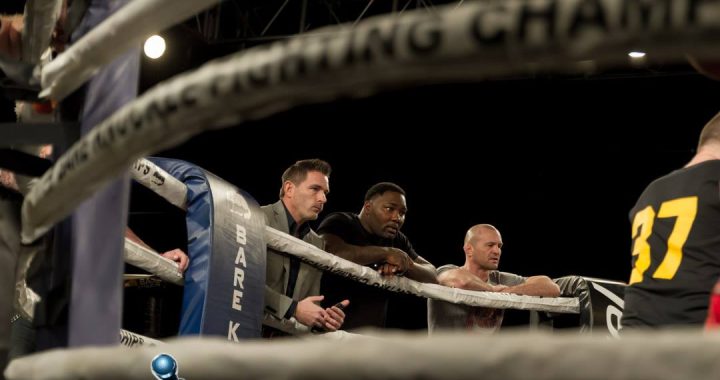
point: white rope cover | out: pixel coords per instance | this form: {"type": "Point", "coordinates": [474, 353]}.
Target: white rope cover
{"type": "Point", "coordinates": [131, 339]}
{"type": "Point", "coordinates": [125, 29]}
{"type": "Point", "coordinates": [328, 262]}
{"type": "Point", "coordinates": [152, 262]}
{"type": "Point", "coordinates": [38, 23]}
{"type": "Point", "coordinates": [161, 182]}
{"type": "Point", "coordinates": [522, 355]}
{"type": "Point", "coordinates": [290, 326]}
{"type": "Point", "coordinates": [480, 40]}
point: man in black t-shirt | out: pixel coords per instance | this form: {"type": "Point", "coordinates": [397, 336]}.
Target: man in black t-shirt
{"type": "Point", "coordinates": [676, 242]}
{"type": "Point", "coordinates": [372, 238]}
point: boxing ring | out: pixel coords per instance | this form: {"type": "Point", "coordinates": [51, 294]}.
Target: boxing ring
{"type": "Point", "coordinates": [476, 41]}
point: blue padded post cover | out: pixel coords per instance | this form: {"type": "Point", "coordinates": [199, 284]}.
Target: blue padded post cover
{"type": "Point", "coordinates": [225, 282]}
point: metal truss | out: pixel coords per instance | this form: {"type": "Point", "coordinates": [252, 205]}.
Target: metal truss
{"type": "Point", "coordinates": [242, 22]}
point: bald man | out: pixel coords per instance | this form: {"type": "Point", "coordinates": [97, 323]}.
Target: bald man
{"type": "Point", "coordinates": [483, 247]}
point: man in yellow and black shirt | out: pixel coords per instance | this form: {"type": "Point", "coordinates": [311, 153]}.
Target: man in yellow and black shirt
{"type": "Point", "coordinates": [676, 242]}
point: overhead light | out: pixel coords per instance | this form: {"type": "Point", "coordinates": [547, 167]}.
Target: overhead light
{"type": "Point", "coordinates": [636, 54]}
{"type": "Point", "coordinates": [154, 47]}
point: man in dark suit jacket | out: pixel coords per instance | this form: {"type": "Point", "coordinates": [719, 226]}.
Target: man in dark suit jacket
{"type": "Point", "coordinates": [292, 288]}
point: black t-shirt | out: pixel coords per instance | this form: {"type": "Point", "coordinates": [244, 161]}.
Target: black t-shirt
{"type": "Point", "coordinates": [368, 305]}
{"type": "Point", "coordinates": [676, 248]}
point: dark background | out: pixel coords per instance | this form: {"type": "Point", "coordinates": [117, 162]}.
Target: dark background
{"type": "Point", "coordinates": [555, 164]}
{"type": "Point", "coordinates": [553, 161]}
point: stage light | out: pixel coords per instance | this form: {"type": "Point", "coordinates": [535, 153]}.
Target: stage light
{"type": "Point", "coordinates": [154, 47]}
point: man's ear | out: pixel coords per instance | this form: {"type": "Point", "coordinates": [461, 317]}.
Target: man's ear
{"type": "Point", "coordinates": [468, 250]}
{"type": "Point", "coordinates": [366, 205]}
{"type": "Point", "coordinates": [289, 188]}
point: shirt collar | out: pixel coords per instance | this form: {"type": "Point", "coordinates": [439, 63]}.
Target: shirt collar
{"type": "Point", "coordinates": [293, 226]}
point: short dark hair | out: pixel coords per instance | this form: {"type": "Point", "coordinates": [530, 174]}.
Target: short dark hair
{"type": "Point", "coordinates": [298, 171]}
{"type": "Point", "coordinates": [381, 188]}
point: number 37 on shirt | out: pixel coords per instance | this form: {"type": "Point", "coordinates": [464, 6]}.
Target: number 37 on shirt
{"type": "Point", "coordinates": [684, 211]}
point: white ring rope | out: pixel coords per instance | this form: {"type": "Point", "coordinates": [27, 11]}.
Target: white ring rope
{"type": "Point", "coordinates": [131, 339]}
{"type": "Point", "coordinates": [159, 181]}
{"type": "Point", "coordinates": [657, 355]}
{"type": "Point", "coordinates": [384, 51]}
{"type": "Point", "coordinates": [38, 24]}
{"type": "Point", "coordinates": [152, 262]}
{"type": "Point", "coordinates": [125, 29]}
{"type": "Point", "coordinates": [328, 262]}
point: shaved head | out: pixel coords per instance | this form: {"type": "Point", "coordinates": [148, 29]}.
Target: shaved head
{"type": "Point", "coordinates": [476, 230]}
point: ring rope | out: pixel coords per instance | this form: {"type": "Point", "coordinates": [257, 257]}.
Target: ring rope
{"type": "Point", "coordinates": [153, 262]}
{"type": "Point", "coordinates": [125, 29]}
{"type": "Point", "coordinates": [416, 48]}
{"type": "Point", "coordinates": [39, 21]}
{"type": "Point", "coordinates": [521, 355]}
{"type": "Point", "coordinates": [308, 253]}
{"type": "Point", "coordinates": [131, 339]}
{"type": "Point", "coordinates": [161, 182]}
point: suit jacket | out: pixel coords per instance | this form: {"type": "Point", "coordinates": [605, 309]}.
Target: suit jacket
{"type": "Point", "coordinates": [278, 267]}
